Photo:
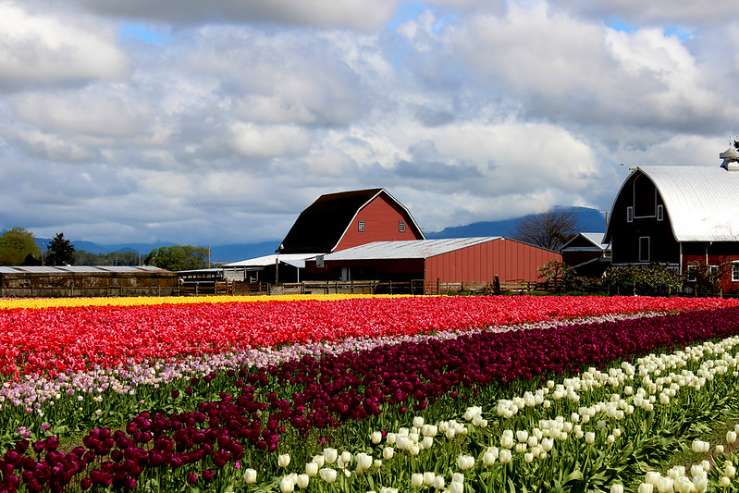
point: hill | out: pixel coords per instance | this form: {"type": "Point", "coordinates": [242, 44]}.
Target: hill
{"type": "Point", "coordinates": [587, 219]}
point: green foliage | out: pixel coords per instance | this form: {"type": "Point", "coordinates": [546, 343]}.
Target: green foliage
{"type": "Point", "coordinates": [18, 247]}
{"type": "Point", "coordinates": [114, 258]}
{"type": "Point", "coordinates": [60, 251]}
{"type": "Point", "coordinates": [648, 279]}
{"type": "Point", "coordinates": [554, 273]}
{"type": "Point", "coordinates": [180, 257]}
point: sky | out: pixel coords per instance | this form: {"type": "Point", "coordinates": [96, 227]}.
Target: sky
{"type": "Point", "coordinates": [218, 122]}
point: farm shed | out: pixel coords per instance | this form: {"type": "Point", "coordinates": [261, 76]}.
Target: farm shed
{"type": "Point", "coordinates": [74, 280]}
{"type": "Point", "coordinates": [337, 221]}
{"type": "Point", "coordinates": [273, 268]}
{"type": "Point", "coordinates": [586, 254]}
{"type": "Point", "coordinates": [471, 262]}
{"type": "Point", "coordinates": [683, 216]}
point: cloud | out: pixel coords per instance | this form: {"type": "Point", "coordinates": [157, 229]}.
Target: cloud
{"type": "Point", "coordinates": [253, 141]}
{"type": "Point", "coordinates": [363, 15]}
{"type": "Point", "coordinates": [44, 50]}
{"type": "Point", "coordinates": [686, 12]}
{"type": "Point", "coordinates": [563, 67]}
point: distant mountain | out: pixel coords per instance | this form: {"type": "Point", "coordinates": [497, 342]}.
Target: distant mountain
{"type": "Point", "coordinates": [587, 219]}
{"type": "Point", "coordinates": [97, 248]}
{"type": "Point", "coordinates": [242, 251]}
{"type": "Point", "coordinates": [218, 253]}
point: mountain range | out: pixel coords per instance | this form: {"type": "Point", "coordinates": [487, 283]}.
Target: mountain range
{"type": "Point", "coordinates": [587, 219]}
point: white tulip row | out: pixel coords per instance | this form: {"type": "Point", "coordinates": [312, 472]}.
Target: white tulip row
{"type": "Point", "coordinates": [680, 479]}
{"type": "Point", "coordinates": [656, 388]}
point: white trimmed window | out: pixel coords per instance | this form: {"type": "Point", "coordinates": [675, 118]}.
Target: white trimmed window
{"type": "Point", "coordinates": [401, 227]}
{"type": "Point", "coordinates": [660, 212]}
{"type": "Point", "coordinates": [629, 214]}
{"type": "Point", "coordinates": [644, 248]}
{"type": "Point", "coordinates": [692, 272]}
{"type": "Point", "coordinates": [735, 271]}
{"type": "Point", "coordinates": [713, 269]}
{"type": "Point", "coordinates": [360, 226]}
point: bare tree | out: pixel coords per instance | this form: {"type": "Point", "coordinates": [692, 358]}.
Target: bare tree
{"type": "Point", "coordinates": [548, 230]}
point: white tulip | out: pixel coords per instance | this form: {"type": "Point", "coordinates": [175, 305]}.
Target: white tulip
{"type": "Point", "coordinates": [730, 470]}
{"type": "Point", "coordinates": [730, 437]}
{"type": "Point", "coordinates": [330, 455]}
{"type": "Point", "coordinates": [388, 453]}
{"type": "Point", "coordinates": [328, 474]}
{"type": "Point", "coordinates": [311, 469]}
{"type": "Point", "coordinates": [319, 459]}
{"type": "Point", "coordinates": [287, 484]}
{"type": "Point", "coordinates": [439, 482]}
{"type": "Point", "coordinates": [283, 460]}
{"type": "Point", "coordinates": [645, 488]}
{"type": "Point", "coordinates": [505, 456]}
{"type": "Point", "coordinates": [346, 457]}
{"type": "Point", "coordinates": [724, 482]}
{"type": "Point", "coordinates": [418, 421]}
{"type": "Point", "coordinates": [617, 488]}
{"type": "Point", "coordinates": [376, 437]}
{"type": "Point", "coordinates": [250, 476]}
{"type": "Point", "coordinates": [719, 449]}
{"type": "Point", "coordinates": [364, 461]}
{"type": "Point", "coordinates": [456, 488]}
{"type": "Point", "coordinates": [589, 437]}
{"type": "Point", "coordinates": [465, 462]}
{"type": "Point", "coordinates": [429, 478]}
{"type": "Point", "coordinates": [302, 481]}
{"type": "Point", "coordinates": [416, 480]}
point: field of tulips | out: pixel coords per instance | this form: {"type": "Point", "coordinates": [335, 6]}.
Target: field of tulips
{"type": "Point", "coordinates": [371, 394]}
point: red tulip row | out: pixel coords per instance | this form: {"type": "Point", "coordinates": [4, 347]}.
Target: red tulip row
{"type": "Point", "coordinates": [62, 339]}
{"type": "Point", "coordinates": [328, 391]}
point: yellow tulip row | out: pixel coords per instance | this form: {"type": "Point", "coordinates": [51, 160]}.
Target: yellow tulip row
{"type": "Point", "coordinates": [40, 303]}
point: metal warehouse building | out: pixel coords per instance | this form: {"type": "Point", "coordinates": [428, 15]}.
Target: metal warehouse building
{"type": "Point", "coordinates": [472, 263]}
{"type": "Point", "coordinates": [77, 280]}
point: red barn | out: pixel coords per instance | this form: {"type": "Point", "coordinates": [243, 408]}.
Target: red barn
{"type": "Point", "coordinates": [684, 216]}
{"type": "Point", "coordinates": [337, 221]}
{"type": "Point", "coordinates": [475, 262]}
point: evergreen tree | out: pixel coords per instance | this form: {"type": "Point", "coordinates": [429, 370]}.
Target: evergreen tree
{"type": "Point", "coordinates": [60, 251]}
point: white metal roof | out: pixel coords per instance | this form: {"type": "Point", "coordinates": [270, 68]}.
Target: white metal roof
{"type": "Point", "coordinates": [595, 238]}
{"type": "Point", "coordinates": [702, 201]}
{"type": "Point", "coordinates": [419, 249]}
{"type": "Point", "coordinates": [77, 269]}
{"type": "Point", "coordinates": [294, 259]}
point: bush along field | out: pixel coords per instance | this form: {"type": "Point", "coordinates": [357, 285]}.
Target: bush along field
{"type": "Point", "coordinates": [471, 394]}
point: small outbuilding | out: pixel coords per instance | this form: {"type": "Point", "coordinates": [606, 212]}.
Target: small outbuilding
{"type": "Point", "coordinates": [470, 263]}
{"type": "Point", "coordinates": [585, 254]}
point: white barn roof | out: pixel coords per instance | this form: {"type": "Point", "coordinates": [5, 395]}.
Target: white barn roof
{"type": "Point", "coordinates": [415, 249]}
{"type": "Point", "coordinates": [294, 259]}
{"type": "Point", "coordinates": [702, 201]}
{"type": "Point", "coordinates": [595, 238]}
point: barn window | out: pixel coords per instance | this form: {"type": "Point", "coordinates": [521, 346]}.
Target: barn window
{"type": "Point", "coordinates": [692, 272]}
{"type": "Point", "coordinates": [361, 226]}
{"type": "Point", "coordinates": [660, 212]}
{"type": "Point", "coordinates": [713, 270]}
{"type": "Point", "coordinates": [401, 227]}
{"type": "Point", "coordinates": [629, 214]}
{"type": "Point", "coordinates": [735, 271]}
{"type": "Point", "coordinates": [644, 244]}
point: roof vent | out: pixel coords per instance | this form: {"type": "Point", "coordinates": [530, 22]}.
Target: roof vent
{"type": "Point", "coordinates": [731, 157]}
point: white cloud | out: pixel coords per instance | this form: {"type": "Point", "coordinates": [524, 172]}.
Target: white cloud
{"type": "Point", "coordinates": [254, 141]}
{"type": "Point", "coordinates": [352, 14]}
{"type": "Point", "coordinates": [44, 50]}
{"type": "Point", "coordinates": [561, 66]}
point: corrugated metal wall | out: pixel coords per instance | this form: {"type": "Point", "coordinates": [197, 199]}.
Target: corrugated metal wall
{"type": "Point", "coordinates": [510, 260]}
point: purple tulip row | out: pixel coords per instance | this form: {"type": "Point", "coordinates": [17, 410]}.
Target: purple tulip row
{"type": "Point", "coordinates": [332, 389]}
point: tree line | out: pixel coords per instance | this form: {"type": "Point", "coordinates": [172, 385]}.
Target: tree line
{"type": "Point", "coordinates": [19, 247]}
